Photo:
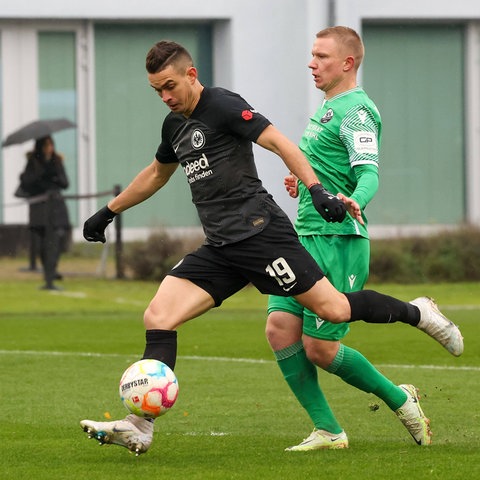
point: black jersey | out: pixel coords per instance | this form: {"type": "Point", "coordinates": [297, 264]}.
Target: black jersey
{"type": "Point", "coordinates": [214, 147]}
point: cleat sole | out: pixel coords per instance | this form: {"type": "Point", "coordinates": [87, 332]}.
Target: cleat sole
{"type": "Point", "coordinates": [125, 433]}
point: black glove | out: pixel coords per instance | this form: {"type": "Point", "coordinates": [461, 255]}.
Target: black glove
{"type": "Point", "coordinates": [94, 227]}
{"type": "Point", "coordinates": [330, 207]}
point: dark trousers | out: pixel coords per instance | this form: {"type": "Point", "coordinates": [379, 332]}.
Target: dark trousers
{"type": "Point", "coordinates": [50, 242]}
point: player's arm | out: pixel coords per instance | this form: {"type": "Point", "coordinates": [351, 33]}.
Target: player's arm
{"type": "Point", "coordinates": [143, 186]}
{"type": "Point", "coordinates": [273, 140]}
{"type": "Point", "coordinates": [360, 133]}
{"type": "Point", "coordinates": [367, 184]}
{"type": "Point", "coordinates": [330, 207]}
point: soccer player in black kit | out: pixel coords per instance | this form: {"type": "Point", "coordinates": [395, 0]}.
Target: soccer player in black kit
{"type": "Point", "coordinates": [249, 239]}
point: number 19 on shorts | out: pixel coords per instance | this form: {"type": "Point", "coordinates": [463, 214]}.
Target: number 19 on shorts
{"type": "Point", "coordinates": [280, 270]}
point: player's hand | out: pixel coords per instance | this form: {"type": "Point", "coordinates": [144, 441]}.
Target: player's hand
{"type": "Point", "coordinates": [291, 185]}
{"type": "Point", "coordinates": [94, 227]}
{"type": "Point", "coordinates": [330, 207]}
{"type": "Point", "coordinates": [353, 208]}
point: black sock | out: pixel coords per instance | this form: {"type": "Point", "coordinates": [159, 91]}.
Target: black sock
{"type": "Point", "coordinates": [161, 345]}
{"type": "Point", "coordinates": [374, 307]}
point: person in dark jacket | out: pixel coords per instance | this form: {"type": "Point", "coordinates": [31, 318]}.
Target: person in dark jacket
{"type": "Point", "coordinates": [45, 176]}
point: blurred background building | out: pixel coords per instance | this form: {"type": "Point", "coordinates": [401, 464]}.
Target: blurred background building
{"type": "Point", "coordinates": [84, 60]}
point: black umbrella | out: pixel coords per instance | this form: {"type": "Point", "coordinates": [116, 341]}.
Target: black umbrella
{"type": "Point", "coordinates": [37, 129]}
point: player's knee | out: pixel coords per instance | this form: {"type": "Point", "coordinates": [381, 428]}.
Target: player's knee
{"type": "Point", "coordinates": [269, 332]}
{"type": "Point", "coordinates": [337, 311]}
{"type": "Point", "coordinates": [149, 319]}
{"type": "Point", "coordinates": [334, 316]}
{"type": "Point", "coordinates": [283, 330]}
{"type": "Point", "coordinates": [318, 358]}
{"type": "Point", "coordinates": [155, 318]}
{"type": "Point", "coordinates": [272, 327]}
{"type": "Point", "coordinates": [320, 353]}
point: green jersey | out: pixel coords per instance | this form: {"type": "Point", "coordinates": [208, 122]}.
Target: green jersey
{"type": "Point", "coordinates": [341, 142]}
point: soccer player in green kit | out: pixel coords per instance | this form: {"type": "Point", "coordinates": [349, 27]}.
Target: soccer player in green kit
{"type": "Point", "coordinates": [342, 143]}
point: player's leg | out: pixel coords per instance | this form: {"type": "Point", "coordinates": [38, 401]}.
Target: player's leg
{"type": "Point", "coordinates": [287, 268]}
{"type": "Point", "coordinates": [284, 331]}
{"type": "Point", "coordinates": [353, 368]}
{"type": "Point", "coordinates": [348, 260]}
{"type": "Point", "coordinates": [345, 259]}
{"type": "Point", "coordinates": [299, 372]}
{"type": "Point", "coordinates": [280, 265]}
{"type": "Point", "coordinates": [176, 301]}
{"type": "Point", "coordinates": [201, 281]}
{"type": "Point", "coordinates": [374, 307]}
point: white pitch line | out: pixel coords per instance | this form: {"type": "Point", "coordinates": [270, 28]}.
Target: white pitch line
{"type": "Point", "coordinates": [68, 294]}
{"type": "Point", "coordinates": [218, 359]}
{"type": "Point", "coordinates": [459, 307]}
{"type": "Point", "coordinates": [431, 367]}
{"type": "Point", "coordinates": [61, 354]}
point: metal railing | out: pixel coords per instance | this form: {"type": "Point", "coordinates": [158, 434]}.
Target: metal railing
{"type": "Point", "coordinates": [49, 198]}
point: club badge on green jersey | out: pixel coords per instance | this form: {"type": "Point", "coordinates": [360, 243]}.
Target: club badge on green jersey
{"type": "Point", "coordinates": [327, 117]}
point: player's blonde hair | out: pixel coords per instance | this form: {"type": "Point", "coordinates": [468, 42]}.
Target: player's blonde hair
{"type": "Point", "coordinates": [348, 38]}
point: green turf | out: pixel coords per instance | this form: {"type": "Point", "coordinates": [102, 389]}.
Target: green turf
{"type": "Point", "coordinates": [62, 355]}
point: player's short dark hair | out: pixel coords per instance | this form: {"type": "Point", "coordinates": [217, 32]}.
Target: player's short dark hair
{"type": "Point", "coordinates": [166, 53]}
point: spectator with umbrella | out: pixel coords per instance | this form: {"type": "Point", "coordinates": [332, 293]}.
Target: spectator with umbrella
{"type": "Point", "coordinates": [41, 182]}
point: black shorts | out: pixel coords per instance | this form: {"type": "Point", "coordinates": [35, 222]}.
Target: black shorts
{"type": "Point", "coordinates": [274, 261]}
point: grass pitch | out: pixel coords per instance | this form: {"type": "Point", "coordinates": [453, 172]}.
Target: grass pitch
{"type": "Point", "coordinates": [62, 355]}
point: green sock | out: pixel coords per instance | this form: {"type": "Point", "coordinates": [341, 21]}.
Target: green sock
{"type": "Point", "coordinates": [301, 376]}
{"type": "Point", "coordinates": [352, 367]}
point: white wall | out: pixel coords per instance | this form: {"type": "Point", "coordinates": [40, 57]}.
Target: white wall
{"type": "Point", "coordinates": [19, 47]}
{"type": "Point", "coordinates": [350, 11]}
{"type": "Point", "coordinates": [261, 50]}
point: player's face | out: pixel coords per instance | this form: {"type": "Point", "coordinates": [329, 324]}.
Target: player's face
{"type": "Point", "coordinates": [176, 89]}
{"type": "Point", "coordinates": [327, 65]}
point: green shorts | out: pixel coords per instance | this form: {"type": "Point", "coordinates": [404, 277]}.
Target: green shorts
{"type": "Point", "coordinates": [345, 261]}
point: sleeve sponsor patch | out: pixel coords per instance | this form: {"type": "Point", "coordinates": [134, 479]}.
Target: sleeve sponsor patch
{"type": "Point", "coordinates": [247, 114]}
{"type": "Point", "coordinates": [365, 142]}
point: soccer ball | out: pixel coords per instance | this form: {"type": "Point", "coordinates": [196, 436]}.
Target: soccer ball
{"type": "Point", "coordinates": [148, 388]}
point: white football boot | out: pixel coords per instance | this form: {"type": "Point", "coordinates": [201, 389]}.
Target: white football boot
{"type": "Point", "coordinates": [134, 433]}
{"type": "Point", "coordinates": [413, 418]}
{"type": "Point", "coordinates": [439, 327]}
{"type": "Point", "coordinates": [321, 439]}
